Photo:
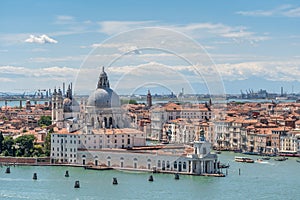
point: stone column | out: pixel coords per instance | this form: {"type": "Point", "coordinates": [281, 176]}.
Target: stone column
{"type": "Point", "coordinates": [191, 163]}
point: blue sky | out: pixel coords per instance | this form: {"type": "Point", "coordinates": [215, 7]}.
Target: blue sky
{"type": "Point", "coordinates": [253, 44]}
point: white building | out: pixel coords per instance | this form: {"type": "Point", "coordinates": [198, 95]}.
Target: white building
{"type": "Point", "coordinates": [290, 143]}
{"type": "Point", "coordinates": [189, 160]}
{"type": "Point", "coordinates": [64, 145]}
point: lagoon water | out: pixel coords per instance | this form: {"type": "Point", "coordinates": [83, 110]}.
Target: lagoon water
{"type": "Point", "coordinates": [267, 180]}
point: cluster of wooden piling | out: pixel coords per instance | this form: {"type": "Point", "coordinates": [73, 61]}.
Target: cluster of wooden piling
{"type": "Point", "coordinates": [77, 183]}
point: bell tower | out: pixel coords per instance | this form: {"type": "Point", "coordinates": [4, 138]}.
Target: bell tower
{"type": "Point", "coordinates": [149, 99]}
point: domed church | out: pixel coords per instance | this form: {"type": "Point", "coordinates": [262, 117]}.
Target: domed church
{"type": "Point", "coordinates": [103, 109]}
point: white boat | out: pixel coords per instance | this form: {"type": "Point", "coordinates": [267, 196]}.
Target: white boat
{"type": "Point", "coordinates": [243, 159]}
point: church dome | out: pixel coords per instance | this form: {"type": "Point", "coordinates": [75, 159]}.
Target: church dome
{"type": "Point", "coordinates": [103, 96]}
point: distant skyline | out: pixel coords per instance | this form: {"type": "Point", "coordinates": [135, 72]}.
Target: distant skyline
{"type": "Point", "coordinates": [254, 44]}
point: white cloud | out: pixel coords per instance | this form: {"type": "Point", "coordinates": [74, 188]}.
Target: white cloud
{"type": "Point", "coordinates": [61, 19]}
{"type": "Point", "coordinates": [195, 30]}
{"type": "Point", "coordinates": [56, 59]}
{"type": "Point", "coordinates": [285, 71]}
{"type": "Point", "coordinates": [20, 72]}
{"type": "Point", "coordinates": [40, 39]}
{"type": "Point", "coordinates": [114, 27]}
{"type": "Point", "coordinates": [284, 10]}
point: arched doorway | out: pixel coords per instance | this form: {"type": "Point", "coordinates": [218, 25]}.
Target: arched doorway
{"type": "Point", "coordinates": [179, 166]}
{"type": "Point", "coordinates": [108, 161]}
{"type": "Point", "coordinates": [83, 159]}
{"type": "Point", "coordinates": [121, 162]}
{"type": "Point", "coordinates": [135, 160]}
{"type": "Point", "coordinates": [163, 167]}
{"type": "Point", "coordinates": [148, 164]}
{"type": "Point", "coordinates": [110, 123]}
{"type": "Point", "coordinates": [96, 161]}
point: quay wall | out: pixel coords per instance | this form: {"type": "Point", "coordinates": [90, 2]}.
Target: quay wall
{"type": "Point", "coordinates": [24, 160]}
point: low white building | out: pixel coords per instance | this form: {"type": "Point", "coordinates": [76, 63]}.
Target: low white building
{"type": "Point", "coordinates": [172, 158]}
{"type": "Point", "coordinates": [64, 145]}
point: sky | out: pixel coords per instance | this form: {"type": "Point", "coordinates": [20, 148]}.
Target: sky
{"type": "Point", "coordinates": [196, 45]}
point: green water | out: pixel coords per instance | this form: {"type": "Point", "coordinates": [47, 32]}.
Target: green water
{"type": "Point", "coordinates": [270, 180]}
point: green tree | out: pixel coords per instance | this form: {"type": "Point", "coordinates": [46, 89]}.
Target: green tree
{"type": "Point", "coordinates": [38, 150]}
{"type": "Point", "coordinates": [128, 101]}
{"type": "Point", "coordinates": [8, 144]}
{"type": "Point", "coordinates": [1, 141]}
{"type": "Point", "coordinates": [47, 144]}
{"type": "Point", "coordinates": [45, 121]}
{"type": "Point", "coordinates": [25, 144]}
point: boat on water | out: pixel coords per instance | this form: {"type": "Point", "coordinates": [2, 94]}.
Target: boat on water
{"type": "Point", "coordinates": [265, 158]}
{"type": "Point", "coordinates": [298, 161]}
{"type": "Point", "coordinates": [251, 153]}
{"type": "Point", "coordinates": [218, 152]}
{"type": "Point", "coordinates": [243, 159]}
{"type": "Point", "coordinates": [280, 159]}
{"type": "Point", "coordinates": [237, 151]}
{"type": "Point", "coordinates": [222, 165]}
{"type": "Point", "coordinates": [292, 154]}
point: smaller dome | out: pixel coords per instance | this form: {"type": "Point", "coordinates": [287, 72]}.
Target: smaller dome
{"type": "Point", "coordinates": [67, 101]}
{"type": "Point", "coordinates": [70, 105]}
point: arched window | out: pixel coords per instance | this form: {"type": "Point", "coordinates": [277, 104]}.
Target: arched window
{"type": "Point", "coordinates": [158, 163]}
{"type": "Point", "coordinates": [110, 122]}
{"type": "Point", "coordinates": [168, 164]}
{"type": "Point", "coordinates": [175, 165]}
{"type": "Point", "coordinates": [105, 122]}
